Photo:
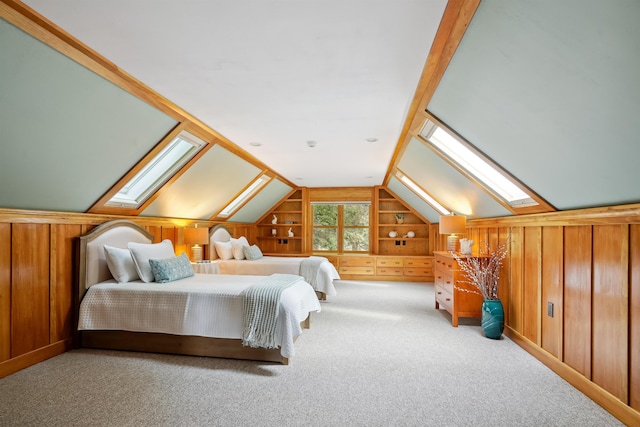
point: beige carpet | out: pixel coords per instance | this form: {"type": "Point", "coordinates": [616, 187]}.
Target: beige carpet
{"type": "Point", "coordinates": [379, 354]}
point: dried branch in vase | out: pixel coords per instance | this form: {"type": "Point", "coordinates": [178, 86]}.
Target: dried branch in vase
{"type": "Point", "coordinates": [483, 271]}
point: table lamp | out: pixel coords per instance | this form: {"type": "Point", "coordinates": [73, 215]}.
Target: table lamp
{"type": "Point", "coordinates": [453, 225]}
{"type": "Point", "coordinates": [196, 237]}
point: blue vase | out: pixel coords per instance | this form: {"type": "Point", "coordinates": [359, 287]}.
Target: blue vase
{"type": "Point", "coordinates": [492, 318]}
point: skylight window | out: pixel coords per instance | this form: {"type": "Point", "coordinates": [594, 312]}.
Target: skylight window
{"type": "Point", "coordinates": [158, 171]}
{"type": "Point", "coordinates": [466, 159]}
{"type": "Point", "coordinates": [421, 193]}
{"type": "Point", "coordinates": [245, 195]}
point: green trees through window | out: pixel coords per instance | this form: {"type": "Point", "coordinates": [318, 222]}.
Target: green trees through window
{"type": "Point", "coordinates": [341, 227]}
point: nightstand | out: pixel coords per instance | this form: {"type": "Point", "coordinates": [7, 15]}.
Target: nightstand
{"type": "Point", "coordinates": [205, 267]}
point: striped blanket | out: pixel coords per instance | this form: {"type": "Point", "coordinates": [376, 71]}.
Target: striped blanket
{"type": "Point", "coordinates": [261, 310]}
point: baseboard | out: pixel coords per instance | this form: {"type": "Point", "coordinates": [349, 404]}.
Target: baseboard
{"type": "Point", "coordinates": [23, 361]}
{"type": "Point", "coordinates": [602, 397]}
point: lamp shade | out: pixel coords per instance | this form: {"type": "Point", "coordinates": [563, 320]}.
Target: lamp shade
{"type": "Point", "coordinates": [453, 224]}
{"type": "Point", "coordinates": [196, 236]}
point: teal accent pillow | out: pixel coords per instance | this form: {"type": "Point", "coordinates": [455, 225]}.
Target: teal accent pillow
{"type": "Point", "coordinates": [252, 252]}
{"type": "Point", "coordinates": [170, 269]}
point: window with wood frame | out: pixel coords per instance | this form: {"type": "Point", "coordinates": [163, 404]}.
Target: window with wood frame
{"type": "Point", "coordinates": [341, 227]}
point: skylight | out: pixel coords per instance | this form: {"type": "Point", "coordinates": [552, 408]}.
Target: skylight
{"type": "Point", "coordinates": [245, 195]}
{"type": "Point", "coordinates": [421, 193]}
{"type": "Point", "coordinates": [158, 171]}
{"type": "Point", "coordinates": [466, 159]}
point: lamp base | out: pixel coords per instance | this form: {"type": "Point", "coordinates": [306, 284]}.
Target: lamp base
{"type": "Point", "coordinates": [196, 253]}
{"type": "Point", "coordinates": [452, 243]}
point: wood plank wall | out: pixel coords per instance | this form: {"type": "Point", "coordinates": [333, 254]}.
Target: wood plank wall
{"type": "Point", "coordinates": [587, 264]}
{"type": "Point", "coordinates": [38, 273]}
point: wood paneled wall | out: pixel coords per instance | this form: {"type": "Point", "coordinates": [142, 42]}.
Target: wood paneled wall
{"type": "Point", "coordinates": [38, 275]}
{"type": "Point", "coordinates": [587, 264]}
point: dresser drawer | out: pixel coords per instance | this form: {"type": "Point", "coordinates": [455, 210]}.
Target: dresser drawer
{"type": "Point", "coordinates": [389, 271]}
{"type": "Point", "coordinates": [357, 261]}
{"type": "Point", "coordinates": [389, 262]}
{"type": "Point", "coordinates": [359, 271]}
{"type": "Point", "coordinates": [419, 262]}
{"type": "Point", "coordinates": [447, 282]}
{"type": "Point", "coordinates": [444, 298]}
{"type": "Point", "coordinates": [418, 271]}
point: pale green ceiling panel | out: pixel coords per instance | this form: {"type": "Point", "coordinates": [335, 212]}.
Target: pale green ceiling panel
{"type": "Point", "coordinates": [205, 188]}
{"type": "Point", "coordinates": [448, 186]}
{"type": "Point", "coordinates": [67, 134]}
{"type": "Point", "coordinates": [268, 196]}
{"type": "Point", "coordinates": [410, 198]}
{"type": "Point", "coordinates": [549, 89]}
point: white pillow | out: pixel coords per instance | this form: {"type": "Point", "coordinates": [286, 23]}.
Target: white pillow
{"type": "Point", "coordinates": [143, 252]}
{"type": "Point", "coordinates": [237, 245]}
{"type": "Point", "coordinates": [224, 250]}
{"type": "Point", "coordinates": [120, 264]}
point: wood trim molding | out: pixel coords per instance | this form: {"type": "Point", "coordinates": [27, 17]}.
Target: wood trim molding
{"type": "Point", "coordinates": [608, 401]}
{"type": "Point", "coordinates": [455, 20]}
{"type": "Point", "coordinates": [16, 364]}
{"type": "Point", "coordinates": [623, 214]}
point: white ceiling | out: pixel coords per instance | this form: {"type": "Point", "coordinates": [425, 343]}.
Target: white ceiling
{"type": "Point", "coordinates": [278, 73]}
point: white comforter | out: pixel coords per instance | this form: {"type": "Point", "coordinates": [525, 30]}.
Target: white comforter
{"type": "Point", "coordinates": [206, 305]}
{"type": "Point", "coordinates": [286, 265]}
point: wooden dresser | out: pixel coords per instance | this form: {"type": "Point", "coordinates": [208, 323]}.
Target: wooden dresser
{"type": "Point", "coordinates": [449, 293]}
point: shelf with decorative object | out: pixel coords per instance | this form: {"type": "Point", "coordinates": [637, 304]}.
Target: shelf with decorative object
{"type": "Point", "coordinates": [398, 229]}
{"type": "Point", "coordinates": [281, 230]}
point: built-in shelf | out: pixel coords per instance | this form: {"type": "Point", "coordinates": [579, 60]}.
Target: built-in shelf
{"type": "Point", "coordinates": [290, 214]}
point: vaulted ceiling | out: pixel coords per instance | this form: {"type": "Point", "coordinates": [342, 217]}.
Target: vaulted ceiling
{"type": "Point", "coordinates": [547, 90]}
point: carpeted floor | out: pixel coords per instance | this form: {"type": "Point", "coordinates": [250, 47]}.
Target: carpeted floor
{"type": "Point", "coordinates": [378, 354]}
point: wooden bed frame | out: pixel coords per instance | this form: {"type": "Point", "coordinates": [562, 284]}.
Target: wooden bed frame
{"type": "Point", "coordinates": [118, 233]}
{"type": "Point", "coordinates": [220, 233]}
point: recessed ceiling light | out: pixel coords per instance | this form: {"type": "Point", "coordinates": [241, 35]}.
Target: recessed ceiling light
{"type": "Point", "coordinates": [311, 144]}
{"type": "Point", "coordinates": [368, 177]}
{"type": "Point", "coordinates": [372, 139]}
{"type": "Point", "coordinates": [255, 144]}
{"type": "Point", "coordinates": [298, 178]}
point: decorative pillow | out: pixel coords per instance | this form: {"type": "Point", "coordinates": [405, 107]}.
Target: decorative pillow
{"type": "Point", "coordinates": [252, 253]}
{"type": "Point", "coordinates": [143, 252]}
{"type": "Point", "coordinates": [237, 245]}
{"type": "Point", "coordinates": [224, 250]}
{"type": "Point", "coordinates": [120, 264]}
{"type": "Point", "coordinates": [170, 269]}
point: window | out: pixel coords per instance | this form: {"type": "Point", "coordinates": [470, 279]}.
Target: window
{"type": "Point", "coordinates": [341, 227]}
{"type": "Point", "coordinates": [244, 196]}
{"type": "Point", "coordinates": [468, 160]}
{"type": "Point", "coordinates": [421, 193]}
{"type": "Point", "coordinates": [158, 171]}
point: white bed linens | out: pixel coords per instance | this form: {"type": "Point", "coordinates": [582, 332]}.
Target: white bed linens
{"type": "Point", "coordinates": [205, 305]}
{"type": "Point", "coordinates": [267, 265]}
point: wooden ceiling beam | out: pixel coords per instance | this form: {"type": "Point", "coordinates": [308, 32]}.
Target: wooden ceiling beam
{"type": "Point", "coordinates": [455, 20]}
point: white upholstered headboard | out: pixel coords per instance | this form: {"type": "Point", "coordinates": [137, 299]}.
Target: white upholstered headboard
{"type": "Point", "coordinates": [219, 233]}
{"type": "Point", "coordinates": [92, 263]}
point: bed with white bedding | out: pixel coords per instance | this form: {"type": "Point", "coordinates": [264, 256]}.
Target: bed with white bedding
{"type": "Point", "coordinates": [200, 314]}
{"type": "Point", "coordinates": [224, 251]}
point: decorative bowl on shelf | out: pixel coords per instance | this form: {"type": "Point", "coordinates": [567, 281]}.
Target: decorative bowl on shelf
{"type": "Point", "coordinates": [411, 234]}
{"type": "Point", "coordinates": [393, 234]}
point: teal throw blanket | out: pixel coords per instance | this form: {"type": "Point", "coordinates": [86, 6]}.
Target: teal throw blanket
{"type": "Point", "coordinates": [261, 310]}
